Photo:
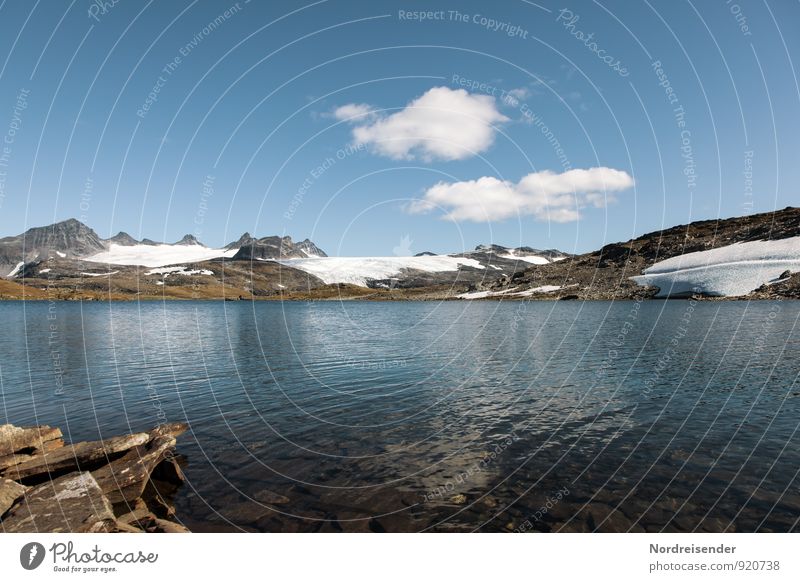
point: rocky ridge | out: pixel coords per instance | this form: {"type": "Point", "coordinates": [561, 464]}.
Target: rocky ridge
{"type": "Point", "coordinates": [605, 274]}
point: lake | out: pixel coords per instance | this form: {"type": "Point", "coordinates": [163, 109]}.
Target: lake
{"type": "Point", "coordinates": [434, 416]}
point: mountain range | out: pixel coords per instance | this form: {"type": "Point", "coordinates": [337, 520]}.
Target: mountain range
{"type": "Point", "coordinates": [753, 256]}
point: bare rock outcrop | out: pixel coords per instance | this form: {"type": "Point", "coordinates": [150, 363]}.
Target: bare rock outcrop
{"type": "Point", "coordinates": [113, 485]}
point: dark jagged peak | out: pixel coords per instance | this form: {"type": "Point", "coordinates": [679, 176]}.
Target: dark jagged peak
{"type": "Point", "coordinates": [123, 239]}
{"type": "Point", "coordinates": [549, 254]}
{"type": "Point", "coordinates": [149, 242]}
{"type": "Point", "coordinates": [310, 249]}
{"type": "Point", "coordinates": [69, 236]}
{"type": "Point", "coordinates": [189, 240]}
{"type": "Point", "coordinates": [497, 249]}
{"type": "Point", "coordinates": [425, 254]}
{"type": "Point", "coordinates": [243, 241]}
{"type": "Point", "coordinates": [66, 239]}
{"type": "Point", "coordinates": [517, 252]}
{"type": "Point", "coordinates": [277, 247]}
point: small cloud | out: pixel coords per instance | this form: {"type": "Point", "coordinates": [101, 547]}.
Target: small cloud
{"type": "Point", "coordinates": [443, 123]}
{"type": "Point", "coordinates": [353, 111]}
{"type": "Point", "coordinates": [544, 195]}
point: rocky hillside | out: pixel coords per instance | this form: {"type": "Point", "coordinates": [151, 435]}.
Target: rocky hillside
{"type": "Point", "coordinates": [606, 273]}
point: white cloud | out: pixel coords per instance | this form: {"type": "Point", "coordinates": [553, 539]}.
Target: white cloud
{"type": "Point", "coordinates": [443, 123]}
{"type": "Point", "coordinates": [356, 112]}
{"type": "Point", "coordinates": [544, 195]}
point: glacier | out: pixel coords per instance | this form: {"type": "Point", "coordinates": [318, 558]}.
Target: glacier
{"type": "Point", "coordinates": [359, 270]}
{"type": "Point", "coordinates": [158, 255]}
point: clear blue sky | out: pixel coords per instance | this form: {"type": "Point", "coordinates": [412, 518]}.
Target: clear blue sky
{"type": "Point", "coordinates": [255, 103]}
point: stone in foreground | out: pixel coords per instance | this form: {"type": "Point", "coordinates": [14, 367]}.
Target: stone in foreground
{"type": "Point", "coordinates": [10, 492]}
{"type": "Point", "coordinates": [72, 503]}
{"type": "Point", "coordinates": [124, 480]}
{"type": "Point", "coordinates": [14, 439]}
{"type": "Point", "coordinates": [77, 457]}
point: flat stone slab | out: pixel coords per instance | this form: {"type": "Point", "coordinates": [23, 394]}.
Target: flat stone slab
{"type": "Point", "coordinates": [173, 429]}
{"type": "Point", "coordinates": [72, 503]}
{"type": "Point", "coordinates": [32, 439]}
{"type": "Point", "coordinates": [74, 457]}
{"type": "Point", "coordinates": [10, 492]}
{"type": "Point", "coordinates": [125, 478]}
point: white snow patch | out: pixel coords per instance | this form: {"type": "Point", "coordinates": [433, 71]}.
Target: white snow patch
{"type": "Point", "coordinates": [158, 255]}
{"type": "Point", "coordinates": [535, 259]}
{"type": "Point", "coordinates": [44, 271]}
{"type": "Point", "coordinates": [16, 269]}
{"type": "Point", "coordinates": [100, 274]}
{"type": "Point", "coordinates": [727, 271]}
{"type": "Point", "coordinates": [60, 254]}
{"type": "Point", "coordinates": [511, 292]}
{"type": "Point", "coordinates": [357, 270]}
{"type": "Point", "coordinates": [159, 282]}
{"type": "Point", "coordinates": [476, 295]}
{"type": "Point", "coordinates": [484, 294]}
{"type": "Point", "coordinates": [542, 289]}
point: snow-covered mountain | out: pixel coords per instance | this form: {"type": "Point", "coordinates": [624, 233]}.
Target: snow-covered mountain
{"type": "Point", "coordinates": [79, 246]}
{"type": "Point", "coordinates": [72, 240]}
{"type": "Point", "coordinates": [485, 263]}
{"type": "Point", "coordinates": [377, 271]}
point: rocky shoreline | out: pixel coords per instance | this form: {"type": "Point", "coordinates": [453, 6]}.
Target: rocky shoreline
{"type": "Point", "coordinates": [119, 484]}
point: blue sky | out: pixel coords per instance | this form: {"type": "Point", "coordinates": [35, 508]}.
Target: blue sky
{"type": "Point", "coordinates": [359, 125]}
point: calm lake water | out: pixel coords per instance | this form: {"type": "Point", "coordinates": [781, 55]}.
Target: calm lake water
{"type": "Point", "coordinates": [455, 416]}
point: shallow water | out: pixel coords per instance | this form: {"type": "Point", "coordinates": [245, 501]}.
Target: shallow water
{"type": "Point", "coordinates": [455, 416]}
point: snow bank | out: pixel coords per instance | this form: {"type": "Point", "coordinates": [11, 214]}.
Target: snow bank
{"type": "Point", "coordinates": [106, 274]}
{"type": "Point", "coordinates": [727, 271]}
{"type": "Point", "coordinates": [158, 255]}
{"type": "Point", "coordinates": [16, 269]}
{"type": "Point", "coordinates": [511, 292]}
{"type": "Point", "coordinates": [535, 259]}
{"type": "Point", "coordinates": [542, 289]}
{"type": "Point", "coordinates": [358, 270]}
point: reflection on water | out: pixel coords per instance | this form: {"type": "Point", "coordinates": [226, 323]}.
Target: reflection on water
{"type": "Point", "coordinates": [557, 416]}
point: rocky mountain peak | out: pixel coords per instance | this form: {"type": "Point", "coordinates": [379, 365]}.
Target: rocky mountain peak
{"type": "Point", "coordinates": [123, 239]}
{"type": "Point", "coordinates": [189, 239]}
